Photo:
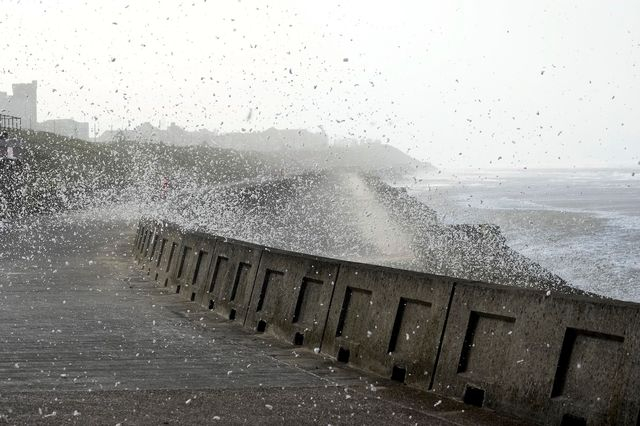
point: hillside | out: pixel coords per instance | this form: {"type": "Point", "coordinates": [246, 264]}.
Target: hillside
{"type": "Point", "coordinates": [57, 172]}
{"type": "Point", "coordinates": [292, 150]}
{"type": "Point", "coordinates": [364, 157]}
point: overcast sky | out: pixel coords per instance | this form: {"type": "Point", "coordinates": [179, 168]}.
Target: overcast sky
{"type": "Point", "coordinates": [491, 83]}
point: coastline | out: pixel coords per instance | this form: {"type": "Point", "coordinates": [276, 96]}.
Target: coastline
{"type": "Point", "coordinates": [583, 225]}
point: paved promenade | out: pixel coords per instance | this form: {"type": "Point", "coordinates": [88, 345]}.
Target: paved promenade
{"type": "Point", "coordinates": [87, 338]}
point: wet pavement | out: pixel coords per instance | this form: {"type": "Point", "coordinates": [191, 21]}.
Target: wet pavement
{"type": "Point", "coordinates": [88, 338]}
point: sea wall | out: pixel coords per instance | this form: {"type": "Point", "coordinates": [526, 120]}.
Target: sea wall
{"type": "Point", "coordinates": [546, 357]}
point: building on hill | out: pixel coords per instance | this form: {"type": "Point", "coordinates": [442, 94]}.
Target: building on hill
{"type": "Point", "coordinates": [142, 132]}
{"type": "Point", "coordinates": [66, 127]}
{"type": "Point", "coordinates": [9, 122]}
{"type": "Point", "coordinates": [270, 140]}
{"type": "Point", "coordinates": [22, 103]}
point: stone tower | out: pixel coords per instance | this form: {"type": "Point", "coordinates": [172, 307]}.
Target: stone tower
{"type": "Point", "coordinates": [24, 103]}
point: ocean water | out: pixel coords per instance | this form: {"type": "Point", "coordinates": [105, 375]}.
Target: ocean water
{"type": "Point", "coordinates": [582, 224]}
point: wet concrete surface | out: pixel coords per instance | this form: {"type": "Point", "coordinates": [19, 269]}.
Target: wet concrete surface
{"type": "Point", "coordinates": [88, 338]}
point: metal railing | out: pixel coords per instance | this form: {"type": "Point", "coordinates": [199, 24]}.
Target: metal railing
{"type": "Point", "coordinates": [10, 122]}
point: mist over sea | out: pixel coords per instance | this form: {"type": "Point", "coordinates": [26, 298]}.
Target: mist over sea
{"type": "Point", "coordinates": [582, 224]}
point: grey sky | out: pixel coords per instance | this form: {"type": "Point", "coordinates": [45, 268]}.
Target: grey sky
{"type": "Point", "coordinates": [537, 83]}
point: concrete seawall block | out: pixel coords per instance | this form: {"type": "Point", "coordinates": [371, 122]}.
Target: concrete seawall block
{"type": "Point", "coordinates": [595, 368]}
{"type": "Point", "coordinates": [142, 239]}
{"type": "Point", "coordinates": [387, 321]}
{"type": "Point", "coordinates": [553, 359]}
{"type": "Point", "coordinates": [138, 239]}
{"type": "Point", "coordinates": [193, 260]}
{"type": "Point", "coordinates": [230, 279]}
{"type": "Point", "coordinates": [145, 240]}
{"type": "Point", "coordinates": [163, 263]}
{"type": "Point", "coordinates": [522, 352]}
{"type": "Point", "coordinates": [291, 297]}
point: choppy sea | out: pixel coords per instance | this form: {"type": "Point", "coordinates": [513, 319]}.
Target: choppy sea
{"type": "Point", "coordinates": [582, 224]}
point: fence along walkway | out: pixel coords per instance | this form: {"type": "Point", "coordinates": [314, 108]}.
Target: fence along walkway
{"type": "Point", "coordinates": [555, 359]}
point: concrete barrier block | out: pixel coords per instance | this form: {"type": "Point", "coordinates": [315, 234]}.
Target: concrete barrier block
{"type": "Point", "coordinates": [388, 321]}
{"type": "Point", "coordinates": [291, 296]}
{"type": "Point", "coordinates": [167, 259]}
{"type": "Point", "coordinates": [538, 357]}
{"type": "Point", "coordinates": [567, 360]}
{"type": "Point", "coordinates": [197, 275]}
{"type": "Point", "coordinates": [142, 242]}
{"type": "Point", "coordinates": [146, 234]}
{"type": "Point", "coordinates": [193, 258]}
{"type": "Point", "coordinates": [158, 252]}
{"type": "Point", "coordinates": [138, 239]}
{"type": "Point", "coordinates": [595, 367]}
{"type": "Point", "coordinates": [631, 414]}
{"type": "Point", "coordinates": [145, 238]}
{"type": "Point", "coordinates": [164, 261]}
{"type": "Point", "coordinates": [230, 279]}
{"type": "Point", "coordinates": [485, 334]}
{"type": "Point", "coordinates": [151, 237]}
